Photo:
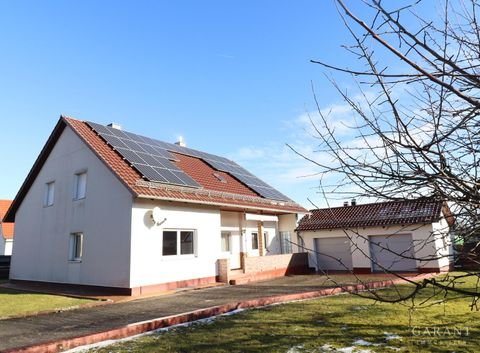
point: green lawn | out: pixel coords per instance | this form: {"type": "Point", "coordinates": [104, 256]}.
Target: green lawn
{"type": "Point", "coordinates": [14, 303]}
{"type": "Point", "coordinates": [343, 323]}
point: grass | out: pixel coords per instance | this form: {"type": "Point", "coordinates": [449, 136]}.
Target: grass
{"type": "Point", "coordinates": [331, 324]}
{"type": "Point", "coordinates": [18, 303]}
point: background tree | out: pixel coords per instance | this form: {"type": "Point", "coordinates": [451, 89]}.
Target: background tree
{"type": "Point", "coordinates": [417, 118]}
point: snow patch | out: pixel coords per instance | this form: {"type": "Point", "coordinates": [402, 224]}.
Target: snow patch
{"type": "Point", "coordinates": [107, 343]}
{"type": "Point", "coordinates": [361, 342]}
{"type": "Point", "coordinates": [352, 350]}
{"type": "Point", "coordinates": [295, 349]}
{"type": "Point", "coordinates": [391, 336]}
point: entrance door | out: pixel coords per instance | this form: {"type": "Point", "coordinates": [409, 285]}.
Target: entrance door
{"type": "Point", "coordinates": [384, 250]}
{"type": "Point", "coordinates": [231, 243]}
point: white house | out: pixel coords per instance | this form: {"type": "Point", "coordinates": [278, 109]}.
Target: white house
{"type": "Point", "coordinates": [395, 236]}
{"type": "Point", "coordinates": [6, 230]}
{"type": "Point", "coordinates": [105, 207]}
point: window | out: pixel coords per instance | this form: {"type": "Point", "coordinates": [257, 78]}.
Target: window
{"type": "Point", "coordinates": [80, 186]}
{"type": "Point", "coordinates": [49, 194]}
{"type": "Point", "coordinates": [285, 242]}
{"type": "Point", "coordinates": [178, 242]}
{"type": "Point", "coordinates": [186, 242]}
{"type": "Point", "coordinates": [76, 247]}
{"type": "Point", "coordinates": [220, 178]}
{"type": "Point", "coordinates": [254, 241]}
{"type": "Point", "coordinates": [225, 241]}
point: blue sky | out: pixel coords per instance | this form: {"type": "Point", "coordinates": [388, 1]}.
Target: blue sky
{"type": "Point", "coordinates": [232, 77]}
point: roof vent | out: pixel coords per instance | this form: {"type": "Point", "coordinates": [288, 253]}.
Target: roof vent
{"type": "Point", "coordinates": [354, 202]}
{"type": "Point", "coordinates": [345, 204]}
{"type": "Point", "coordinates": [181, 142]}
{"type": "Point", "coordinates": [115, 126]}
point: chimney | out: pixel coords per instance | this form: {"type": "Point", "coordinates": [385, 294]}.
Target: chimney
{"type": "Point", "coordinates": [354, 202]}
{"type": "Point", "coordinates": [345, 204]}
{"type": "Point", "coordinates": [115, 126]}
{"type": "Point", "coordinates": [181, 142]}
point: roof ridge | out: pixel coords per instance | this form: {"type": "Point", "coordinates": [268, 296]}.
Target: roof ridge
{"type": "Point", "coordinates": [427, 199]}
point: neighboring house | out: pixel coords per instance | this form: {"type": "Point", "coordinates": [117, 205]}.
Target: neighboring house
{"type": "Point", "coordinates": [391, 236]}
{"type": "Point", "coordinates": [109, 208]}
{"type": "Point", "coordinates": [6, 230]}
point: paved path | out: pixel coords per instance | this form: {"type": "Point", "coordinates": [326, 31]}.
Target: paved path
{"type": "Point", "coordinates": [21, 332]}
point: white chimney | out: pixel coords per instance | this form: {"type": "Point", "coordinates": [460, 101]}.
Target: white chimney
{"type": "Point", "coordinates": [115, 126]}
{"type": "Point", "coordinates": [181, 142]}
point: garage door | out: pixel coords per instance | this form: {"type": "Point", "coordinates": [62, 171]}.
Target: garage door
{"type": "Point", "coordinates": [384, 250]}
{"type": "Point", "coordinates": [330, 251]}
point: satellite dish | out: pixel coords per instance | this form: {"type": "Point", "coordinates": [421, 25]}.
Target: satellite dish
{"type": "Point", "coordinates": [157, 215]}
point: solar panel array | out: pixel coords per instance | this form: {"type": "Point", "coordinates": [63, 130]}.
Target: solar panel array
{"type": "Point", "coordinates": [152, 159]}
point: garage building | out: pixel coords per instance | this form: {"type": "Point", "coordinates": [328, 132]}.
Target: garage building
{"type": "Point", "coordinates": [395, 236]}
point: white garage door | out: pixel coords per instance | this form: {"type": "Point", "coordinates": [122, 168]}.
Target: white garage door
{"type": "Point", "coordinates": [384, 250]}
{"type": "Point", "coordinates": [333, 254]}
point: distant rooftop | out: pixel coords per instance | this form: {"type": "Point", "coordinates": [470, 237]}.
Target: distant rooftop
{"type": "Point", "coordinates": [7, 228]}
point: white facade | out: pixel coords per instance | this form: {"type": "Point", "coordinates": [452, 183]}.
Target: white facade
{"type": "Point", "coordinates": [430, 242]}
{"type": "Point", "coordinates": [149, 267]}
{"type": "Point", "coordinates": [42, 233]}
{"type": "Point", "coordinates": [79, 224]}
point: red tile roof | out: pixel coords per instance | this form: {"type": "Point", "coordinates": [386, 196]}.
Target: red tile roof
{"type": "Point", "coordinates": [229, 194]}
{"type": "Point", "coordinates": [232, 195]}
{"type": "Point", "coordinates": [7, 228]}
{"type": "Point", "coordinates": [373, 214]}
{"type": "Point", "coordinates": [204, 174]}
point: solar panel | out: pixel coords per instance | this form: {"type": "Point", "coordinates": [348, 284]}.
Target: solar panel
{"type": "Point", "coordinates": [130, 156]}
{"type": "Point", "coordinates": [145, 156]}
{"type": "Point", "coordinates": [152, 158]}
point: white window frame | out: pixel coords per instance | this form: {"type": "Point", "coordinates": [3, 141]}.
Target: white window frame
{"type": "Point", "coordinates": [49, 196]}
{"type": "Point", "coordinates": [228, 235]}
{"type": "Point", "coordinates": [179, 245]}
{"type": "Point", "coordinates": [76, 247]}
{"type": "Point", "coordinates": [80, 185]}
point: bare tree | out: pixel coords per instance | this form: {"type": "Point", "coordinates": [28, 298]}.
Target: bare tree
{"type": "Point", "coordinates": [417, 117]}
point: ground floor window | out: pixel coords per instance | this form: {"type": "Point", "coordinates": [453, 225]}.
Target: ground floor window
{"type": "Point", "coordinates": [178, 242]}
{"type": "Point", "coordinates": [285, 242]}
{"type": "Point", "coordinates": [76, 247]}
{"type": "Point", "coordinates": [254, 241]}
{"type": "Point", "coordinates": [225, 241]}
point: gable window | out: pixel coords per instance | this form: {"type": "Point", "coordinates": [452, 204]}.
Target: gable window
{"type": "Point", "coordinates": [76, 247]}
{"type": "Point", "coordinates": [80, 186]}
{"type": "Point", "coordinates": [254, 241]}
{"type": "Point", "coordinates": [49, 194]}
{"type": "Point", "coordinates": [225, 241]}
{"type": "Point", "coordinates": [178, 242]}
